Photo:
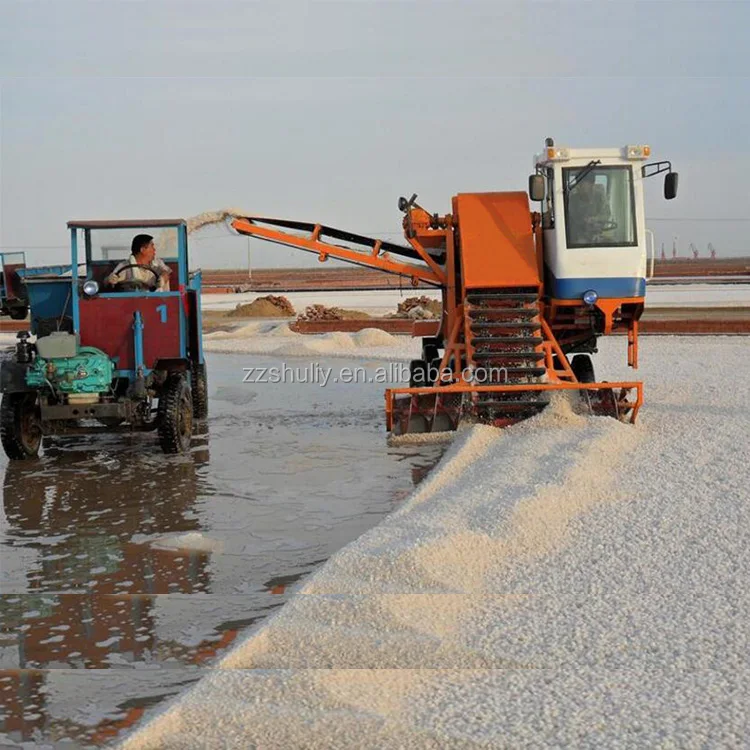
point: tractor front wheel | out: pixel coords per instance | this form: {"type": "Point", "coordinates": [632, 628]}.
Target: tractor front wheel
{"type": "Point", "coordinates": [20, 428]}
{"type": "Point", "coordinates": [175, 415]}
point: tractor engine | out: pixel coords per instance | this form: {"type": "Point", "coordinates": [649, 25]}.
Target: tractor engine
{"type": "Point", "coordinates": [81, 373]}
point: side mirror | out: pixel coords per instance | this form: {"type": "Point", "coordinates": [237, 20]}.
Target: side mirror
{"type": "Point", "coordinates": [670, 185]}
{"type": "Point", "coordinates": [536, 187]}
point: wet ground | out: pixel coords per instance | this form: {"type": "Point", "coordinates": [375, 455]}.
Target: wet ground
{"type": "Point", "coordinates": [124, 573]}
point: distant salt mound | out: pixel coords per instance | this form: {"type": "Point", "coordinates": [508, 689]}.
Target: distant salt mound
{"type": "Point", "coordinates": [279, 340]}
{"type": "Point", "coordinates": [250, 330]}
{"type": "Point", "coordinates": [364, 339]}
{"type": "Point", "coordinates": [280, 330]}
{"type": "Point", "coordinates": [336, 343]}
{"type": "Point", "coordinates": [327, 343]}
{"type": "Point", "coordinates": [373, 337]}
{"type": "Point", "coordinates": [295, 349]}
{"type": "Point", "coordinates": [259, 331]}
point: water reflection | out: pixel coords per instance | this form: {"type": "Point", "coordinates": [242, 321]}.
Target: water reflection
{"type": "Point", "coordinates": [126, 572]}
{"type": "Point", "coordinates": [89, 585]}
{"type": "Point", "coordinates": [80, 512]}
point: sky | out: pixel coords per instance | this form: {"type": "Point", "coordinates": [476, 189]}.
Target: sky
{"type": "Point", "coordinates": [329, 111]}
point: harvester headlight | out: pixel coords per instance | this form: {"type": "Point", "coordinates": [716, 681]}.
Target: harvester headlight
{"type": "Point", "coordinates": [638, 152]}
{"type": "Point", "coordinates": [91, 288]}
{"type": "Point", "coordinates": [590, 297]}
{"type": "Point", "coordinates": [557, 154]}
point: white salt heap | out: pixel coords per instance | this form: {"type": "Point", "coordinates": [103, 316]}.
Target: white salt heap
{"type": "Point", "coordinates": [569, 582]}
{"type": "Point", "coordinates": [278, 339]}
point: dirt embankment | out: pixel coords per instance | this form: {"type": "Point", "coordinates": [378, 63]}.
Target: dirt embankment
{"type": "Point", "coordinates": [419, 308]}
{"type": "Point", "coordinates": [322, 312]}
{"type": "Point", "coordinates": [274, 306]}
{"type": "Point", "coordinates": [270, 306]}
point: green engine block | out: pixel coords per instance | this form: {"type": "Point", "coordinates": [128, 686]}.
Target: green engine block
{"type": "Point", "coordinates": [89, 371]}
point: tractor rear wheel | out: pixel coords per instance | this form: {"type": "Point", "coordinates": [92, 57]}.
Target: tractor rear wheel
{"type": "Point", "coordinates": [583, 368]}
{"type": "Point", "coordinates": [20, 428]}
{"type": "Point", "coordinates": [175, 414]}
{"type": "Point", "coordinates": [199, 387]}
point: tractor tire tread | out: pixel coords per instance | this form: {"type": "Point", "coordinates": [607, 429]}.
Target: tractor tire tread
{"type": "Point", "coordinates": [10, 428]}
{"type": "Point", "coordinates": [199, 390]}
{"type": "Point", "coordinates": [170, 404]}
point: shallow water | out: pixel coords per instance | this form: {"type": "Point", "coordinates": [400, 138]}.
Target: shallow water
{"type": "Point", "coordinates": [145, 568]}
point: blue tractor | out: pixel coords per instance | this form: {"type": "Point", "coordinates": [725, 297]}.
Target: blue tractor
{"type": "Point", "coordinates": [104, 356]}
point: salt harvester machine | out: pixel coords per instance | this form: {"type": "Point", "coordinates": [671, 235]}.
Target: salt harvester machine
{"type": "Point", "coordinates": [526, 294]}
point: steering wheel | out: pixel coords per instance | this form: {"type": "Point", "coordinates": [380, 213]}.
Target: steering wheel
{"type": "Point", "coordinates": [136, 285]}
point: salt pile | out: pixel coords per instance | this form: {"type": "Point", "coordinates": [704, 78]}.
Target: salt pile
{"type": "Point", "coordinates": [264, 338]}
{"type": "Point", "coordinates": [570, 581]}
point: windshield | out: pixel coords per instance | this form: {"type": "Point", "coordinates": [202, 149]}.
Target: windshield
{"type": "Point", "coordinates": [115, 244]}
{"type": "Point", "coordinates": [600, 208]}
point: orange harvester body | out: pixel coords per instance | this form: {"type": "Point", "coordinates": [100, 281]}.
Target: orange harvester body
{"type": "Point", "coordinates": [499, 350]}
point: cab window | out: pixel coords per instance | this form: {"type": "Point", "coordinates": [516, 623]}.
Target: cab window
{"type": "Point", "coordinates": [599, 207]}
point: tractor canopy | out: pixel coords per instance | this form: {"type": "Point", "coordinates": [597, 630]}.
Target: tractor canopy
{"type": "Point", "coordinates": [140, 327]}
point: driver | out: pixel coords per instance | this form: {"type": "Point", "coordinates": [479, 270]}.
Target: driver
{"type": "Point", "coordinates": [588, 211]}
{"type": "Point", "coordinates": [142, 253]}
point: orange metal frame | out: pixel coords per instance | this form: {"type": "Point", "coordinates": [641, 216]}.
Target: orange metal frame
{"type": "Point", "coordinates": [434, 275]}
{"type": "Point", "coordinates": [492, 219]}
{"type": "Point", "coordinates": [608, 307]}
{"type": "Point", "coordinates": [464, 388]}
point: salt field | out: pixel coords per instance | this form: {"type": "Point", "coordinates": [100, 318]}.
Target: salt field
{"type": "Point", "coordinates": [567, 568]}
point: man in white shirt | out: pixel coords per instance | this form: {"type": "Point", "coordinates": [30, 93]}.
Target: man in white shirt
{"type": "Point", "coordinates": [589, 213]}
{"type": "Point", "coordinates": [142, 253]}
